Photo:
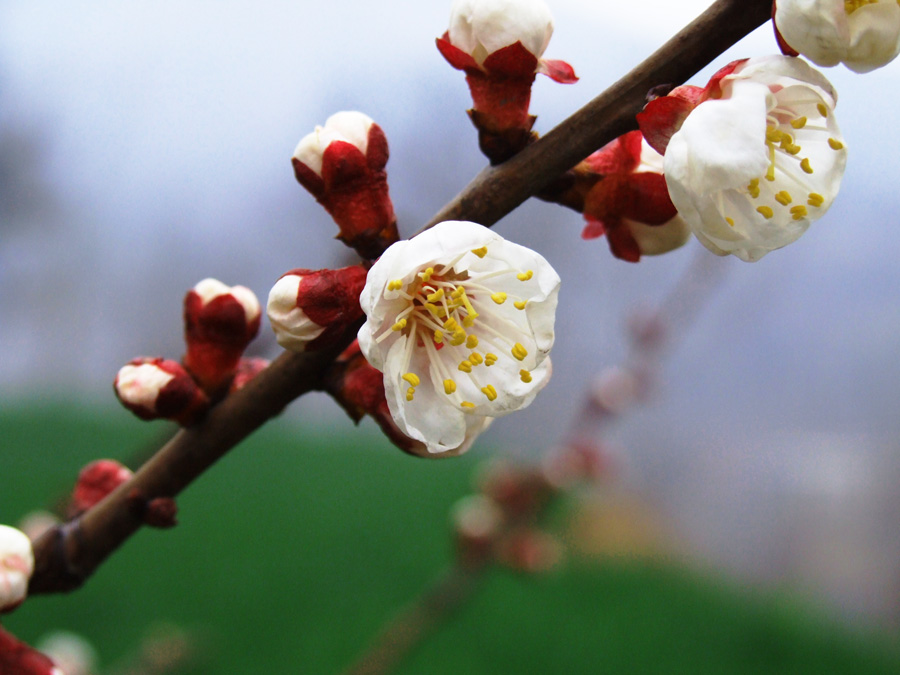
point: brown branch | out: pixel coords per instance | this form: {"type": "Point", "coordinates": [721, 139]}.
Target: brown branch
{"type": "Point", "coordinates": [67, 555]}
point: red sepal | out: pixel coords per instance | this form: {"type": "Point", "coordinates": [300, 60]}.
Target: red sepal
{"type": "Point", "coordinates": [455, 56]}
{"type": "Point", "coordinates": [95, 481]}
{"type": "Point", "coordinates": [623, 155]}
{"type": "Point", "coordinates": [18, 658]}
{"type": "Point", "coordinates": [558, 71]}
{"type": "Point", "coordinates": [663, 116]}
{"type": "Point", "coordinates": [513, 61]}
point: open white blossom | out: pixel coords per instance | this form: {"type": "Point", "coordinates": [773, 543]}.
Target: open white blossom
{"type": "Point", "coordinates": [460, 321]}
{"type": "Point", "coordinates": [862, 34]}
{"type": "Point", "coordinates": [751, 170]}
{"type": "Point", "coordinates": [482, 27]}
{"type": "Point", "coordinates": [16, 567]}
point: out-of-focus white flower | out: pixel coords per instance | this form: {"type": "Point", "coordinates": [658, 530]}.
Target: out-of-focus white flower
{"type": "Point", "coordinates": [460, 322]}
{"type": "Point", "coordinates": [72, 654]}
{"type": "Point", "coordinates": [861, 34]}
{"type": "Point", "coordinates": [16, 567]}
{"type": "Point", "coordinates": [309, 308]}
{"type": "Point", "coordinates": [756, 162]}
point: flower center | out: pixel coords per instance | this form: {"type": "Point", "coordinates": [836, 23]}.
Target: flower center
{"type": "Point", "coordinates": [787, 189]}
{"type": "Point", "coordinates": [851, 6]}
{"type": "Point", "coordinates": [464, 324]}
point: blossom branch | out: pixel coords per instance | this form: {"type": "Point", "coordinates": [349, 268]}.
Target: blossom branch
{"type": "Point", "coordinates": [67, 555]}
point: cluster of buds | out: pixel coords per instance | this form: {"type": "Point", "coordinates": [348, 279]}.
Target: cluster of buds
{"type": "Point", "coordinates": [220, 322]}
{"type": "Point", "coordinates": [342, 164]}
{"type": "Point", "coordinates": [499, 44]}
{"type": "Point", "coordinates": [499, 523]}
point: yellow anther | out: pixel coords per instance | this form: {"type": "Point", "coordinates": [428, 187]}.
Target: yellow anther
{"type": "Point", "coordinates": [426, 275]}
{"type": "Point", "coordinates": [798, 123]}
{"type": "Point", "coordinates": [395, 285]}
{"type": "Point", "coordinates": [765, 211]}
{"type": "Point", "coordinates": [490, 359]}
{"type": "Point", "coordinates": [458, 293]}
{"type": "Point", "coordinates": [476, 358]}
{"type": "Point", "coordinates": [458, 338]}
{"type": "Point", "coordinates": [498, 297]}
{"type": "Point", "coordinates": [412, 378]}
{"type": "Point", "coordinates": [834, 143]}
{"type": "Point", "coordinates": [786, 140]}
{"type": "Point", "coordinates": [400, 325]}
{"type": "Point", "coordinates": [823, 109]}
{"type": "Point", "coordinates": [798, 212]}
{"type": "Point", "coordinates": [465, 366]}
{"type": "Point", "coordinates": [815, 199]}
{"type": "Point", "coordinates": [519, 351]}
{"type": "Point", "coordinates": [525, 375]}
{"type": "Point", "coordinates": [469, 309]}
{"type": "Point", "coordinates": [730, 221]}
{"type": "Point", "coordinates": [525, 276]}
{"type": "Point", "coordinates": [490, 392]}
{"type": "Point", "coordinates": [792, 149]}
{"type": "Point", "coordinates": [783, 197]}
{"type": "Point", "coordinates": [437, 296]}
{"type": "Point", "coordinates": [805, 165]}
{"type": "Point", "coordinates": [435, 310]}
{"type": "Point", "coordinates": [519, 304]}
{"type": "Point", "coordinates": [467, 404]}
{"type": "Point", "coordinates": [449, 387]}
{"type": "Point", "coordinates": [471, 342]}
{"type": "Point", "coordinates": [410, 394]}
{"type": "Point", "coordinates": [770, 172]}
{"type": "Point", "coordinates": [469, 321]}
{"type": "Point", "coordinates": [480, 252]}
{"type": "Point", "coordinates": [438, 337]}
{"type": "Point", "coordinates": [774, 135]}
{"type": "Point", "coordinates": [753, 188]}
{"type": "Point", "coordinates": [451, 324]}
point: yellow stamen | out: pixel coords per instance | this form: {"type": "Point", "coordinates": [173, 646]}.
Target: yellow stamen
{"type": "Point", "coordinates": [805, 165]}
{"type": "Point", "coordinates": [469, 321]}
{"type": "Point", "coordinates": [435, 310]}
{"type": "Point", "coordinates": [400, 325]}
{"type": "Point", "coordinates": [798, 212]}
{"type": "Point", "coordinates": [823, 109]}
{"type": "Point", "coordinates": [798, 123]}
{"type": "Point", "coordinates": [467, 404]}
{"type": "Point", "coordinates": [753, 188]}
{"type": "Point", "coordinates": [458, 338]}
{"type": "Point", "coordinates": [519, 304]}
{"type": "Point", "coordinates": [490, 392]}
{"type": "Point", "coordinates": [395, 285]}
{"type": "Point", "coordinates": [465, 366]}
{"type": "Point", "coordinates": [525, 375]}
{"type": "Point", "coordinates": [525, 276]}
{"type": "Point", "coordinates": [783, 198]}
{"type": "Point", "coordinates": [449, 387]}
{"type": "Point", "coordinates": [834, 143]}
{"type": "Point", "coordinates": [816, 199]}
{"type": "Point", "coordinates": [765, 211]}
{"type": "Point", "coordinates": [519, 351]}
{"type": "Point", "coordinates": [426, 275]}
{"type": "Point", "coordinates": [490, 359]}
{"type": "Point", "coordinates": [498, 297]}
{"type": "Point", "coordinates": [412, 378]}
{"type": "Point", "coordinates": [438, 337]}
{"type": "Point", "coordinates": [476, 358]}
{"type": "Point", "coordinates": [480, 252]}
{"type": "Point", "coordinates": [471, 342]}
{"type": "Point", "coordinates": [730, 221]}
{"type": "Point", "coordinates": [437, 296]}
{"type": "Point", "coordinates": [410, 394]}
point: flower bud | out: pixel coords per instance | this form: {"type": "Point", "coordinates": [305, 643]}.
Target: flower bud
{"type": "Point", "coordinates": [95, 481]}
{"type": "Point", "coordinates": [219, 323]}
{"type": "Point", "coordinates": [155, 388]}
{"type": "Point", "coordinates": [477, 522]}
{"type": "Point", "coordinates": [308, 309]}
{"type": "Point", "coordinates": [342, 166]}
{"type": "Point", "coordinates": [248, 368]}
{"type": "Point", "coordinates": [17, 658]}
{"type": "Point", "coordinates": [499, 45]}
{"type": "Point", "coordinates": [530, 551]}
{"type": "Point", "coordinates": [16, 567]}
{"type": "Point", "coordinates": [72, 653]}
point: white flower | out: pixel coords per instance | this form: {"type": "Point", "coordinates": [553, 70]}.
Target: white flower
{"type": "Point", "coordinates": [751, 170]}
{"type": "Point", "coordinates": [16, 567]}
{"type": "Point", "coordinates": [862, 34]}
{"type": "Point", "coordinates": [348, 127]}
{"type": "Point", "coordinates": [482, 27]}
{"type": "Point", "coordinates": [460, 321]}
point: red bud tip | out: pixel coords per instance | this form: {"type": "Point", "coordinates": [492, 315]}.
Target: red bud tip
{"type": "Point", "coordinates": [95, 481]}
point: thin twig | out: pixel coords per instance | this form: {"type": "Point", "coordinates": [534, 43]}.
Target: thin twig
{"type": "Point", "coordinates": [67, 555]}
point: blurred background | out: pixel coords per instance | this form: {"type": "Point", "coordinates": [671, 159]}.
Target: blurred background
{"type": "Point", "coordinates": [145, 146]}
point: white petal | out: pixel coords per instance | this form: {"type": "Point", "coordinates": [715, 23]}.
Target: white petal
{"type": "Point", "coordinates": [353, 126]}
{"type": "Point", "coordinates": [481, 27]}
{"type": "Point", "coordinates": [293, 329]}
{"type": "Point", "coordinates": [16, 566]}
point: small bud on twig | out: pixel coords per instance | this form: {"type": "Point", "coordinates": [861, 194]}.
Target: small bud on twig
{"type": "Point", "coordinates": [95, 481]}
{"type": "Point", "coordinates": [16, 567]}
{"type": "Point", "coordinates": [156, 388]}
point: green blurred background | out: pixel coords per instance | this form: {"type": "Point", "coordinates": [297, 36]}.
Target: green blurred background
{"type": "Point", "coordinates": [295, 549]}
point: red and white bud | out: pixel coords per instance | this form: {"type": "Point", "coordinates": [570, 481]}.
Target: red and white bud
{"type": "Point", "coordinates": [342, 165]}
{"type": "Point", "coordinates": [630, 204]}
{"type": "Point", "coordinates": [219, 322]}
{"type": "Point", "coordinates": [309, 308]}
{"type": "Point", "coordinates": [95, 481]}
{"type": "Point", "coordinates": [16, 567]}
{"type": "Point", "coordinates": [519, 491]}
{"type": "Point", "coordinates": [18, 658]}
{"type": "Point", "coordinates": [499, 45]}
{"type": "Point", "coordinates": [156, 388]}
{"type": "Point", "coordinates": [72, 654]}
{"type": "Point", "coordinates": [477, 523]}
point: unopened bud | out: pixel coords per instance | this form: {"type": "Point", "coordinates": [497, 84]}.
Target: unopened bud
{"type": "Point", "coordinates": [18, 658]}
{"type": "Point", "coordinates": [72, 654]}
{"type": "Point", "coordinates": [16, 567]}
{"type": "Point", "coordinates": [219, 323]}
{"type": "Point", "coordinates": [530, 551]}
{"type": "Point", "coordinates": [308, 309]}
{"type": "Point", "coordinates": [476, 522]}
{"type": "Point", "coordinates": [519, 491]}
{"type": "Point", "coordinates": [342, 166]}
{"type": "Point", "coordinates": [155, 388]}
{"type": "Point", "coordinates": [95, 481]}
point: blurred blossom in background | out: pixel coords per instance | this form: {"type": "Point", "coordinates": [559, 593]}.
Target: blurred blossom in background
{"type": "Point", "coordinates": [146, 146]}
